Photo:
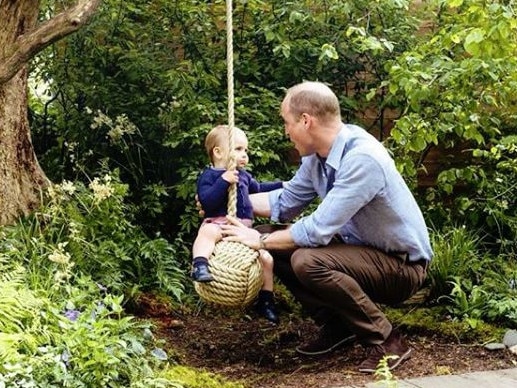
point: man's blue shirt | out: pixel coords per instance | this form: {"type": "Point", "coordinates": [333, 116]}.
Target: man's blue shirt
{"type": "Point", "coordinates": [365, 200]}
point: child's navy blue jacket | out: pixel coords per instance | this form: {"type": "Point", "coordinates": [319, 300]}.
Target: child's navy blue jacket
{"type": "Point", "coordinates": [212, 191]}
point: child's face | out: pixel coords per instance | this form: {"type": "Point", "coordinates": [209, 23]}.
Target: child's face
{"type": "Point", "coordinates": [241, 149]}
{"type": "Point", "coordinates": [220, 153]}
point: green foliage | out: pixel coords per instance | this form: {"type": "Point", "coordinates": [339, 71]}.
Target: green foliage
{"type": "Point", "coordinates": [90, 231]}
{"type": "Point", "coordinates": [456, 255]}
{"type": "Point", "coordinates": [384, 375]}
{"type": "Point", "coordinates": [474, 286]}
{"type": "Point", "coordinates": [94, 346]}
{"type": "Point", "coordinates": [62, 273]}
{"type": "Point", "coordinates": [157, 72]}
{"type": "Point", "coordinates": [78, 338]}
{"type": "Point", "coordinates": [19, 313]}
{"type": "Point", "coordinates": [492, 299]}
{"type": "Point", "coordinates": [456, 89]}
{"type": "Point", "coordinates": [192, 378]}
{"type": "Point", "coordinates": [437, 319]}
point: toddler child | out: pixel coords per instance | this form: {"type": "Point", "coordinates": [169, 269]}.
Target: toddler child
{"type": "Point", "coordinates": [212, 191]}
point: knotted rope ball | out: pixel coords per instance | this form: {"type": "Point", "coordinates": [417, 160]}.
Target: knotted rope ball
{"type": "Point", "coordinates": [237, 275]}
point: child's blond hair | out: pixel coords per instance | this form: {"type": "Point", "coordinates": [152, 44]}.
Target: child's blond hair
{"type": "Point", "coordinates": [218, 137]}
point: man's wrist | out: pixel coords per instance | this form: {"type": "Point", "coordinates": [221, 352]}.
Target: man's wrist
{"type": "Point", "coordinates": [262, 240]}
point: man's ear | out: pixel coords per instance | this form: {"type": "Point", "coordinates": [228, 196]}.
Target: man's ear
{"type": "Point", "coordinates": [307, 119]}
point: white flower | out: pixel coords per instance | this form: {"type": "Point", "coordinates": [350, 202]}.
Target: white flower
{"type": "Point", "coordinates": [59, 257]}
{"type": "Point", "coordinates": [101, 191]}
{"type": "Point", "coordinates": [59, 276]}
{"type": "Point", "coordinates": [52, 192]}
{"type": "Point", "coordinates": [74, 231]}
{"type": "Point", "coordinates": [115, 134]}
{"type": "Point", "coordinates": [68, 187]}
{"type": "Point", "coordinates": [100, 120]}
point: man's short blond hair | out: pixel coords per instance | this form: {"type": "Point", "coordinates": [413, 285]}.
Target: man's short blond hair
{"type": "Point", "coordinates": [314, 98]}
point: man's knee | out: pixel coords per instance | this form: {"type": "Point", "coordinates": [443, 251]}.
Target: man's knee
{"type": "Point", "coordinates": [303, 263]}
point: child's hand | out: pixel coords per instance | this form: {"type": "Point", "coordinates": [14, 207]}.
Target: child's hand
{"type": "Point", "coordinates": [231, 176]}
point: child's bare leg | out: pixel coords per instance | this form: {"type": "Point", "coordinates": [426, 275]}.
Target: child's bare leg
{"type": "Point", "coordinates": [208, 235]}
{"type": "Point", "coordinates": [267, 267]}
{"type": "Point", "coordinates": [266, 304]}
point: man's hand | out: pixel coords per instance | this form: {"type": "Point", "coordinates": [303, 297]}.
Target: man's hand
{"type": "Point", "coordinates": [199, 207]}
{"type": "Point", "coordinates": [237, 231]}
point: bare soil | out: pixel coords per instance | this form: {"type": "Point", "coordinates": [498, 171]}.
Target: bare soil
{"type": "Point", "coordinates": [242, 347]}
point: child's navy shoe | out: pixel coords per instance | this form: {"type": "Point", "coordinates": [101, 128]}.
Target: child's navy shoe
{"type": "Point", "coordinates": [201, 273]}
{"type": "Point", "coordinates": [267, 309]}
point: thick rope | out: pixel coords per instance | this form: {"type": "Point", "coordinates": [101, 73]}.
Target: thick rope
{"type": "Point", "coordinates": [236, 268]}
{"type": "Point", "coordinates": [232, 163]}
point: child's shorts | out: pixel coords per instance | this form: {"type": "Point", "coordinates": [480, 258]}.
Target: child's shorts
{"type": "Point", "coordinates": [223, 221]}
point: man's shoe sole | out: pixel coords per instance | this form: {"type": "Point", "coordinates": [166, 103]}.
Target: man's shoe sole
{"type": "Point", "coordinates": [406, 356]}
{"type": "Point", "coordinates": [344, 341]}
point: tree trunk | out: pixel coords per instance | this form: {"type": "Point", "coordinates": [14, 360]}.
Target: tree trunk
{"type": "Point", "coordinates": [21, 177]}
{"type": "Point", "coordinates": [20, 174]}
{"type": "Point", "coordinates": [21, 37]}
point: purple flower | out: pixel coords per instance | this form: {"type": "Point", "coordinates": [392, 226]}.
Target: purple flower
{"type": "Point", "coordinates": [72, 315]}
{"type": "Point", "coordinates": [65, 357]}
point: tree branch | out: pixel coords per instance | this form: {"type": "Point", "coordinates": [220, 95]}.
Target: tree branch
{"type": "Point", "coordinates": [52, 30]}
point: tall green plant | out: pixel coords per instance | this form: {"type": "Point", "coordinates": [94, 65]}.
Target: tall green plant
{"type": "Point", "coordinates": [456, 255]}
{"type": "Point", "coordinates": [475, 285]}
{"type": "Point", "coordinates": [458, 89]}
{"type": "Point", "coordinates": [89, 230]}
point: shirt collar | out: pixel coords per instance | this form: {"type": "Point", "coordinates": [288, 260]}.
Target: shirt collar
{"type": "Point", "coordinates": [338, 148]}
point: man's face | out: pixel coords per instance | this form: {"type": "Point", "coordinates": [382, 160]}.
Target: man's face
{"type": "Point", "coordinates": [296, 130]}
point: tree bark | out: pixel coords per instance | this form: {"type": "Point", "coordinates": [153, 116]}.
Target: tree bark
{"type": "Point", "coordinates": [21, 37]}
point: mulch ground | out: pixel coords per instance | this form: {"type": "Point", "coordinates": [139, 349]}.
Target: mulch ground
{"type": "Point", "coordinates": [242, 347]}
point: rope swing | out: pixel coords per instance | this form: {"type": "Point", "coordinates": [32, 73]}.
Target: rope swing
{"type": "Point", "coordinates": [236, 269]}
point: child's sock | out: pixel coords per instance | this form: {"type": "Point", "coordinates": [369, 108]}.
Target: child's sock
{"type": "Point", "coordinates": [265, 296]}
{"type": "Point", "coordinates": [199, 260]}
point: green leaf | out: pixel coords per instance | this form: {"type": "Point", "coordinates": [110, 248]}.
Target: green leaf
{"type": "Point", "coordinates": [472, 41]}
{"type": "Point", "coordinates": [328, 51]}
{"type": "Point", "coordinates": [455, 3]}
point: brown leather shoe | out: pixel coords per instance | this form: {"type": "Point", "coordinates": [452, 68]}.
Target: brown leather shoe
{"type": "Point", "coordinates": [394, 346]}
{"type": "Point", "coordinates": [328, 339]}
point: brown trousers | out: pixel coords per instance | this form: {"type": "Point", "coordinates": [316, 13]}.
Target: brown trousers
{"type": "Point", "coordinates": [342, 285]}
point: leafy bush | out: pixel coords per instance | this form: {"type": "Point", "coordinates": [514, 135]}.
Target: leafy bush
{"type": "Point", "coordinates": [160, 93]}
{"type": "Point", "coordinates": [456, 255]}
{"type": "Point", "coordinates": [474, 285]}
{"type": "Point", "coordinates": [457, 87]}
{"type": "Point", "coordinates": [50, 342]}
{"type": "Point", "coordinates": [63, 271]}
{"type": "Point", "coordinates": [89, 231]}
